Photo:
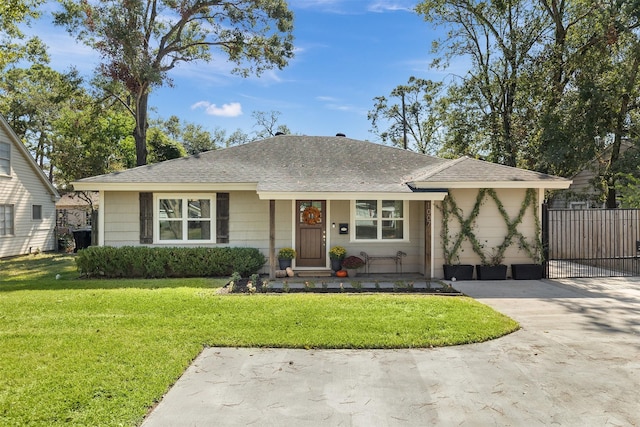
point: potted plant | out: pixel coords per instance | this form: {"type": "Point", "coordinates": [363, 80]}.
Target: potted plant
{"type": "Point", "coordinates": [285, 255]}
{"type": "Point", "coordinates": [492, 267]}
{"type": "Point", "coordinates": [337, 254]}
{"type": "Point", "coordinates": [533, 271]}
{"type": "Point", "coordinates": [452, 244]}
{"type": "Point", "coordinates": [351, 264]}
{"type": "Point", "coordinates": [453, 270]}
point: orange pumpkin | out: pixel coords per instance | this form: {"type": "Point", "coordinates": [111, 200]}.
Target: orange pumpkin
{"type": "Point", "coordinates": [341, 273]}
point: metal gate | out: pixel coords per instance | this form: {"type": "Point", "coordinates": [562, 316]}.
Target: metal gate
{"type": "Point", "coordinates": [591, 242]}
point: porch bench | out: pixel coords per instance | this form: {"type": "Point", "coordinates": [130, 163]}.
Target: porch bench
{"type": "Point", "coordinates": [397, 258]}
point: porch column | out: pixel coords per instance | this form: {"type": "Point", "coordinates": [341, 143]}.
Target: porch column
{"type": "Point", "coordinates": [428, 244]}
{"type": "Point", "coordinates": [272, 239]}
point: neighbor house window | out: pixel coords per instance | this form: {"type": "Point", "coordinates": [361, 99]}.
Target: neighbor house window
{"type": "Point", "coordinates": [5, 159]}
{"type": "Point", "coordinates": [36, 212]}
{"type": "Point", "coordinates": [185, 218]}
{"type": "Point", "coordinates": [380, 219]}
{"type": "Point", "coordinates": [6, 220]}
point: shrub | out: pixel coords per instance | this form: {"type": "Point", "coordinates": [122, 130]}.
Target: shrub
{"type": "Point", "coordinates": [151, 262]}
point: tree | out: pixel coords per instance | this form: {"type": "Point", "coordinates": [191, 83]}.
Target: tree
{"type": "Point", "coordinates": [161, 147]}
{"type": "Point", "coordinates": [498, 37]}
{"type": "Point", "coordinates": [414, 118]}
{"type": "Point", "coordinates": [93, 138]}
{"type": "Point", "coordinates": [267, 124]}
{"type": "Point", "coordinates": [32, 100]}
{"type": "Point", "coordinates": [12, 14]}
{"type": "Point", "coordinates": [142, 40]}
{"type": "Point", "coordinates": [238, 137]}
{"type": "Point", "coordinates": [193, 137]}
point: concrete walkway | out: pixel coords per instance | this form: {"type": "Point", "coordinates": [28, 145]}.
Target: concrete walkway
{"type": "Point", "coordinates": [575, 362]}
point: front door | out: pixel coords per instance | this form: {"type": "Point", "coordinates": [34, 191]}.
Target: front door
{"type": "Point", "coordinates": [311, 233]}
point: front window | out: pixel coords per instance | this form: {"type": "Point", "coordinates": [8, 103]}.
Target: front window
{"type": "Point", "coordinates": [380, 219]}
{"type": "Point", "coordinates": [185, 218]}
{"type": "Point", "coordinates": [6, 220]}
{"type": "Point", "coordinates": [5, 159]}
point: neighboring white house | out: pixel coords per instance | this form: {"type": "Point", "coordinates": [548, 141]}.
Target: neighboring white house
{"type": "Point", "coordinates": [27, 199]}
{"type": "Point", "coordinates": [312, 193]}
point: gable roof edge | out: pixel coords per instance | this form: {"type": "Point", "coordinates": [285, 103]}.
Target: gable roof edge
{"type": "Point", "coordinates": [14, 137]}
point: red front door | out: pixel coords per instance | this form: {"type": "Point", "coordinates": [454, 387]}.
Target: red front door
{"type": "Point", "coordinates": [311, 233]}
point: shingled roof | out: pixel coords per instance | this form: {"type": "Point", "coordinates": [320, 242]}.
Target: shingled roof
{"type": "Point", "coordinates": [298, 164]}
{"type": "Point", "coordinates": [465, 171]}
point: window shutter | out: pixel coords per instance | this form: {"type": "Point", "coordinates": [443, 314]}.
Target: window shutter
{"type": "Point", "coordinates": [146, 218]}
{"type": "Point", "coordinates": [222, 218]}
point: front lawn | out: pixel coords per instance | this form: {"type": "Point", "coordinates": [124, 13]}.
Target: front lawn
{"type": "Point", "coordinates": [102, 352]}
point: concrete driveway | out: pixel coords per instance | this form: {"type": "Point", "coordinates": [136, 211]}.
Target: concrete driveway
{"type": "Point", "coordinates": [575, 362]}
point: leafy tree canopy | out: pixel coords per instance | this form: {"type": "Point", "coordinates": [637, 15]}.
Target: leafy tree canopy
{"type": "Point", "coordinates": [142, 40]}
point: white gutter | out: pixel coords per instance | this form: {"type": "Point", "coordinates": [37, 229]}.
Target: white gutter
{"type": "Point", "coordinates": [556, 185]}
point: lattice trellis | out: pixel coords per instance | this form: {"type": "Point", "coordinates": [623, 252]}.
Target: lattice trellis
{"type": "Point", "coordinates": [451, 247]}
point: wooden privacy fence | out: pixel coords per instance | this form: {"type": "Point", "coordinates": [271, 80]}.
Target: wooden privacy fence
{"type": "Point", "coordinates": [591, 242]}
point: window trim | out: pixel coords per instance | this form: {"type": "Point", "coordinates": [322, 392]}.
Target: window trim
{"type": "Point", "coordinates": [185, 197]}
{"type": "Point", "coordinates": [8, 159]}
{"type": "Point", "coordinates": [12, 231]}
{"type": "Point", "coordinates": [380, 220]}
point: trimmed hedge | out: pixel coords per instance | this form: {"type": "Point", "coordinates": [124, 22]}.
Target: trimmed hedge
{"type": "Point", "coordinates": [153, 262]}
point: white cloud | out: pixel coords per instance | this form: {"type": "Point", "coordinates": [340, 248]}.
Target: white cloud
{"type": "Point", "coordinates": [350, 6]}
{"type": "Point", "coordinates": [233, 109]}
{"type": "Point", "coordinates": [386, 5]}
{"type": "Point", "coordinates": [326, 98]}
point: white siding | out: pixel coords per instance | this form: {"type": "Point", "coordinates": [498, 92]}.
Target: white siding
{"type": "Point", "coordinates": [413, 247]}
{"type": "Point", "coordinates": [248, 223]}
{"type": "Point", "coordinates": [249, 227]}
{"type": "Point", "coordinates": [121, 219]}
{"type": "Point", "coordinates": [490, 227]}
{"type": "Point", "coordinates": [23, 189]}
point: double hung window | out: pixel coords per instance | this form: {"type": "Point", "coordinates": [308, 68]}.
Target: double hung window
{"type": "Point", "coordinates": [380, 219]}
{"type": "Point", "coordinates": [185, 218]}
{"type": "Point", "coordinates": [5, 158]}
{"type": "Point", "coordinates": [6, 220]}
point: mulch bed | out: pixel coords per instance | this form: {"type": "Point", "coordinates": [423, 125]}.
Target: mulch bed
{"type": "Point", "coordinates": [264, 286]}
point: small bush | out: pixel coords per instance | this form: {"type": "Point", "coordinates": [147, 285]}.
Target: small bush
{"type": "Point", "coordinates": [150, 262]}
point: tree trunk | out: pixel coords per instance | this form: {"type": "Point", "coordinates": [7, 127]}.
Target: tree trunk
{"type": "Point", "coordinates": [620, 130]}
{"type": "Point", "coordinates": [140, 131]}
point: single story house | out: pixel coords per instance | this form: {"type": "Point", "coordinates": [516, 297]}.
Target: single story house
{"type": "Point", "coordinates": [312, 193]}
{"type": "Point", "coordinates": [27, 199]}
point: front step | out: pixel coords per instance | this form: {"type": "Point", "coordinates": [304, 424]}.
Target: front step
{"type": "Point", "coordinates": [314, 273]}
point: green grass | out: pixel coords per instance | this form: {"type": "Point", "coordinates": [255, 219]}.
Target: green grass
{"type": "Point", "coordinates": [102, 352]}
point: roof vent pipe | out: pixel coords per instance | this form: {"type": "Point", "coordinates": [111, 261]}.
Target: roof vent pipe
{"type": "Point", "coordinates": [341, 134]}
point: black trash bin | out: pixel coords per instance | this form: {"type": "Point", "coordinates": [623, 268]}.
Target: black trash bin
{"type": "Point", "coordinates": [82, 238]}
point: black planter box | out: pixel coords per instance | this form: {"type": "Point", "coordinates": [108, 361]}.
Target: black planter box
{"type": "Point", "coordinates": [458, 271]}
{"type": "Point", "coordinates": [491, 272]}
{"type": "Point", "coordinates": [526, 271]}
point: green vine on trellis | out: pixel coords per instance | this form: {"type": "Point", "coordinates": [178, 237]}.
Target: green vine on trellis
{"type": "Point", "coordinates": [451, 247]}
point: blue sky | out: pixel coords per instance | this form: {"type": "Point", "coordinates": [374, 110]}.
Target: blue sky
{"type": "Point", "coordinates": [347, 53]}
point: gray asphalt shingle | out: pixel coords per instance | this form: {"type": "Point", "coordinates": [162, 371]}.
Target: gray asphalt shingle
{"type": "Point", "coordinates": [293, 163]}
